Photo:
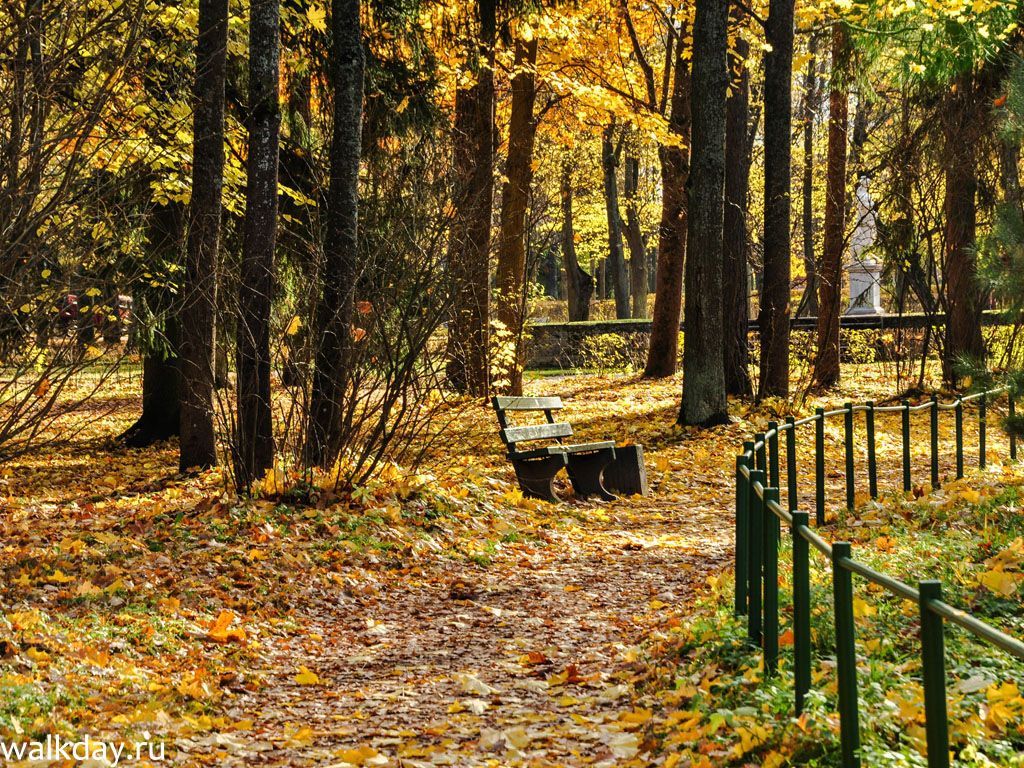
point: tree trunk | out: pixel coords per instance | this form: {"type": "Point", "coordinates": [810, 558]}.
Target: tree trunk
{"type": "Point", "coordinates": [1009, 172]}
{"type": "Point", "coordinates": [335, 307]}
{"type": "Point", "coordinates": [469, 248]}
{"type": "Point", "coordinates": [704, 400]}
{"type": "Point", "coordinates": [160, 418]}
{"type": "Point", "coordinates": [616, 262]}
{"type": "Point", "coordinates": [809, 303]}
{"type": "Point", "coordinates": [579, 286]}
{"type": "Point", "coordinates": [830, 272]}
{"type": "Point", "coordinates": [199, 292]}
{"type": "Point", "coordinates": [221, 369]}
{"type": "Point", "coordinates": [860, 133]}
{"type": "Point", "coordinates": [735, 248]}
{"type": "Point", "coordinates": [254, 445]}
{"type": "Point", "coordinates": [515, 196]}
{"type": "Point", "coordinates": [778, 119]}
{"type": "Point", "coordinates": [668, 293]}
{"type": "Point", "coordinates": [964, 342]}
{"type": "Point", "coordinates": [635, 239]}
{"type": "Point", "coordinates": [549, 273]}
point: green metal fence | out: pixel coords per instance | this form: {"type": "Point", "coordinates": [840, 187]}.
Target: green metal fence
{"type": "Point", "coordinates": [759, 519]}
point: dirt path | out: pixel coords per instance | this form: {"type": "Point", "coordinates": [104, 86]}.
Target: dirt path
{"type": "Point", "coordinates": [527, 661]}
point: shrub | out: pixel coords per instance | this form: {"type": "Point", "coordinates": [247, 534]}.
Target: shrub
{"type": "Point", "coordinates": [608, 352]}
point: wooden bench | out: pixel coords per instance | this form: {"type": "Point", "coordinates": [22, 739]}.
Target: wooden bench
{"type": "Point", "coordinates": [536, 467]}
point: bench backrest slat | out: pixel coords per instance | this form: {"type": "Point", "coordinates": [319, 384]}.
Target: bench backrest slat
{"type": "Point", "coordinates": [527, 403]}
{"type": "Point", "coordinates": [513, 435]}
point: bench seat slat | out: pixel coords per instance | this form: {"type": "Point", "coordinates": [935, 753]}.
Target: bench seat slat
{"type": "Point", "coordinates": [562, 450]}
{"type": "Point", "coordinates": [527, 403]}
{"type": "Point", "coordinates": [536, 432]}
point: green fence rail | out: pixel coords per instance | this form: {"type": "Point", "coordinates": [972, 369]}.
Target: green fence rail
{"type": "Point", "coordinates": [759, 521]}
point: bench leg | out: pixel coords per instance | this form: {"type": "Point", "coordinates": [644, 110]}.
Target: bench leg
{"type": "Point", "coordinates": [586, 470]}
{"type": "Point", "coordinates": [536, 476]}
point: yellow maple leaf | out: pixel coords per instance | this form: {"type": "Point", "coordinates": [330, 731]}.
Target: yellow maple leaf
{"type": "Point", "coordinates": [970, 495]}
{"type": "Point", "coordinates": [999, 581]}
{"type": "Point", "coordinates": [303, 737]}
{"type": "Point", "coordinates": [1012, 556]}
{"type": "Point", "coordinates": [307, 676]}
{"type": "Point", "coordinates": [359, 756]}
{"type": "Point", "coordinates": [862, 609]}
{"type": "Point", "coordinates": [88, 589]}
{"type": "Point", "coordinates": [59, 577]}
{"type": "Point", "coordinates": [317, 18]}
{"type": "Point", "coordinates": [38, 656]}
{"type": "Point", "coordinates": [196, 685]}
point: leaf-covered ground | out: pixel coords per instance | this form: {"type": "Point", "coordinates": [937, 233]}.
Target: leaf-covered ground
{"type": "Point", "coordinates": [440, 619]}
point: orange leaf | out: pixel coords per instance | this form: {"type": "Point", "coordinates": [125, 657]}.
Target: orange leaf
{"type": "Point", "coordinates": [219, 631]}
{"type": "Point", "coordinates": [536, 657]}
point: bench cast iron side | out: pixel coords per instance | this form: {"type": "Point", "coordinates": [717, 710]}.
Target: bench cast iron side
{"type": "Point", "coordinates": [536, 467]}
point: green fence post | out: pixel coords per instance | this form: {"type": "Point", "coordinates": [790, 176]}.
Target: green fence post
{"type": "Point", "coordinates": [819, 466]}
{"type": "Point", "coordinates": [982, 420]}
{"type": "Point", "coordinates": [872, 458]}
{"type": "Point", "coordinates": [771, 584]}
{"type": "Point", "coordinates": [959, 414]}
{"type": "Point", "coordinates": [754, 568]}
{"type": "Point", "coordinates": [1011, 413]}
{"type": "Point", "coordinates": [933, 672]}
{"type": "Point", "coordinates": [760, 453]}
{"type": "Point", "coordinates": [742, 525]}
{"type": "Point", "coordinates": [935, 441]}
{"type": "Point", "coordinates": [801, 611]}
{"type": "Point", "coordinates": [848, 443]}
{"type": "Point", "coordinates": [773, 454]}
{"type": "Point", "coordinates": [905, 424]}
{"type": "Point", "coordinates": [846, 656]}
{"type": "Point", "coordinates": [791, 463]}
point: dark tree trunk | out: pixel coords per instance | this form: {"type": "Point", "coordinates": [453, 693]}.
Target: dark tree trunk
{"type": "Point", "coordinates": [778, 120]}
{"type": "Point", "coordinates": [549, 273]}
{"type": "Point", "coordinates": [1009, 172]}
{"type": "Point", "coordinates": [160, 392]}
{"type": "Point", "coordinates": [254, 445]}
{"type": "Point", "coordinates": [830, 272]}
{"type": "Point", "coordinates": [335, 306]}
{"type": "Point", "coordinates": [809, 302]}
{"type": "Point", "coordinates": [579, 285]}
{"type": "Point", "coordinates": [199, 292]}
{"type": "Point", "coordinates": [964, 341]}
{"type": "Point", "coordinates": [160, 416]}
{"type": "Point", "coordinates": [221, 351]}
{"type": "Point", "coordinates": [515, 197]}
{"type": "Point", "coordinates": [675, 168]}
{"type": "Point", "coordinates": [860, 133]}
{"type": "Point", "coordinates": [704, 400]}
{"type": "Point", "coordinates": [616, 262]}
{"type": "Point", "coordinates": [469, 249]}
{"type": "Point", "coordinates": [735, 247]}
{"type": "Point", "coordinates": [635, 239]}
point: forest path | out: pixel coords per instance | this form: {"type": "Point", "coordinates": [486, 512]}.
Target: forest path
{"type": "Point", "coordinates": [526, 661]}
